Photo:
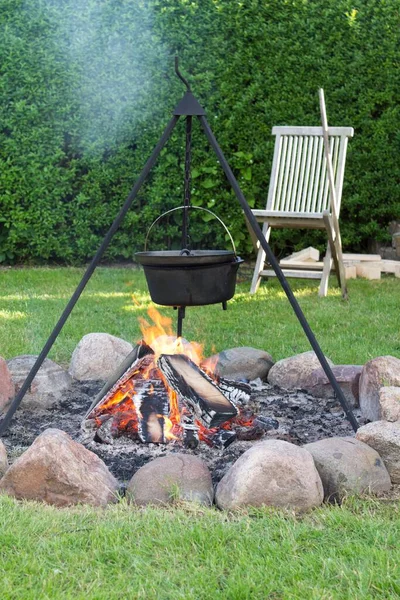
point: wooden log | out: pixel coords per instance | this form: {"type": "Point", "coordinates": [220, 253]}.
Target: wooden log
{"type": "Point", "coordinates": [121, 375]}
{"type": "Point", "coordinates": [237, 392]}
{"type": "Point", "coordinates": [218, 438]}
{"type": "Point", "coordinates": [124, 372]}
{"type": "Point", "coordinates": [202, 396]}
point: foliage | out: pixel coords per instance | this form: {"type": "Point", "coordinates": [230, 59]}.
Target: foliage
{"type": "Point", "coordinates": [87, 88]}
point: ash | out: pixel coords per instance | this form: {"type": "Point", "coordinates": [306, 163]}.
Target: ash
{"type": "Point", "coordinates": [301, 417]}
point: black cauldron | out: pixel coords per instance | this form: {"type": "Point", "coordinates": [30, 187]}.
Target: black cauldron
{"type": "Point", "coordinates": [183, 278]}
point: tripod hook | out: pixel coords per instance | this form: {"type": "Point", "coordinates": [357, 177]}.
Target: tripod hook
{"type": "Point", "coordinates": [180, 74]}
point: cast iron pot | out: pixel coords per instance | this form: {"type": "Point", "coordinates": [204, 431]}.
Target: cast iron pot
{"type": "Point", "coordinates": [190, 278]}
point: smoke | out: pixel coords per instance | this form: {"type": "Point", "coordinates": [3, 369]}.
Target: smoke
{"type": "Point", "coordinates": [114, 59]}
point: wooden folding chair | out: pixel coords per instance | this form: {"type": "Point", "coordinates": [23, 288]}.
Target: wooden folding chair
{"type": "Point", "coordinates": [305, 191]}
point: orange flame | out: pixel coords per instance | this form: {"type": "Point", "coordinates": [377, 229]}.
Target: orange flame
{"type": "Point", "coordinates": [162, 340]}
{"type": "Point", "coordinates": [160, 337]}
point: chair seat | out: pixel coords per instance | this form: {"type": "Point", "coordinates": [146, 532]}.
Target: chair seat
{"type": "Point", "coordinates": [290, 219]}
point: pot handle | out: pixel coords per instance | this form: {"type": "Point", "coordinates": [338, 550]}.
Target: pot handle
{"type": "Point", "coordinates": [190, 208]}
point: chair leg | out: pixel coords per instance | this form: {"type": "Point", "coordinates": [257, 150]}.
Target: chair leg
{"type": "Point", "coordinates": [323, 287]}
{"type": "Point", "coordinates": [336, 249]}
{"type": "Point", "coordinates": [254, 238]}
{"type": "Point", "coordinates": [260, 261]}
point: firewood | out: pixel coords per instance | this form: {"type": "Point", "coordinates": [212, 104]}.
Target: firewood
{"type": "Point", "coordinates": [237, 392]}
{"type": "Point", "coordinates": [196, 390]}
{"type": "Point", "coordinates": [265, 423]}
{"type": "Point", "coordinates": [104, 434]}
{"type": "Point", "coordinates": [122, 374]}
{"type": "Point", "coordinates": [221, 438]}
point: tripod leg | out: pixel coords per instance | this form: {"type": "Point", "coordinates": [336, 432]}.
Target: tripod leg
{"type": "Point", "coordinates": [89, 272]}
{"type": "Point", "coordinates": [275, 265]}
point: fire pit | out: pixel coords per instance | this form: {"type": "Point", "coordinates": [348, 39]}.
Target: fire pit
{"type": "Point", "coordinates": [163, 393]}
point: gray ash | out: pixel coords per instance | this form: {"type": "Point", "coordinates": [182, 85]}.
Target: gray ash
{"type": "Point", "coordinates": [301, 419]}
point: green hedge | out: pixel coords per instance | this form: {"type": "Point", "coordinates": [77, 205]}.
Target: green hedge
{"type": "Point", "coordinates": [87, 88]}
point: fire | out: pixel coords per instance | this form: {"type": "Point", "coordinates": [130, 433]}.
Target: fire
{"type": "Point", "coordinates": [160, 337]}
{"type": "Point", "coordinates": [144, 405]}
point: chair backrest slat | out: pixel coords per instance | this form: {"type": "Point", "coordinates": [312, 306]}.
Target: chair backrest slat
{"type": "Point", "coordinates": [296, 171]}
{"type": "Point", "coordinates": [281, 170]}
{"type": "Point", "coordinates": [299, 181]}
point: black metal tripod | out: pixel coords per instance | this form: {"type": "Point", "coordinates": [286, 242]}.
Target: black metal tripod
{"type": "Point", "coordinates": [188, 107]}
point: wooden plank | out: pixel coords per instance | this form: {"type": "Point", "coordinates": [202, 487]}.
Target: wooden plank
{"type": "Point", "coordinates": [350, 271]}
{"type": "Point", "coordinates": [309, 253]}
{"type": "Point", "coordinates": [299, 130]}
{"type": "Point", "coordinates": [328, 262]}
{"type": "Point", "coordinates": [274, 173]}
{"type": "Point", "coordinates": [303, 146]}
{"type": "Point", "coordinates": [299, 154]}
{"type": "Point", "coordinates": [260, 261]}
{"type": "Point", "coordinates": [301, 264]}
{"type": "Point", "coordinates": [369, 270]}
{"type": "Point", "coordinates": [261, 214]}
{"type": "Point", "coordinates": [390, 266]}
{"type": "Point", "coordinates": [293, 273]}
{"type": "Point", "coordinates": [361, 257]}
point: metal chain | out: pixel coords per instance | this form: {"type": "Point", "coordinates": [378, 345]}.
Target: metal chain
{"type": "Point", "coordinates": [186, 199]}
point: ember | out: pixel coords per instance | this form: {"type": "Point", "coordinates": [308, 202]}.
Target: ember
{"type": "Point", "coordinates": [161, 393]}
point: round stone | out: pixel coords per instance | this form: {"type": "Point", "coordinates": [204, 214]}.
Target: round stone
{"type": "Point", "coordinates": [169, 478]}
{"type": "Point", "coordinates": [274, 473]}
{"type": "Point", "coordinates": [348, 466]}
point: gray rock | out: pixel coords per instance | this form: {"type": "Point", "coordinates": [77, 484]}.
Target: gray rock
{"type": "Point", "coordinates": [294, 372]}
{"type": "Point", "coordinates": [273, 473]}
{"type": "Point", "coordinates": [3, 459]}
{"type": "Point", "coordinates": [384, 437]}
{"type": "Point", "coordinates": [48, 385]}
{"type": "Point", "coordinates": [97, 356]}
{"type": "Point", "coordinates": [7, 389]}
{"type": "Point", "coordinates": [379, 372]}
{"type": "Point", "coordinates": [241, 363]}
{"type": "Point", "coordinates": [59, 471]}
{"type": "Point", "coordinates": [348, 466]}
{"type": "Point", "coordinates": [347, 376]}
{"type": "Point", "coordinates": [389, 399]}
{"type": "Point", "coordinates": [168, 478]}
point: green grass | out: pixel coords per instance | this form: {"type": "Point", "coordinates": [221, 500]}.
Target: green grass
{"type": "Point", "coordinates": [184, 552]}
{"type": "Point", "coordinates": [31, 301]}
{"type": "Point", "coordinates": [348, 552]}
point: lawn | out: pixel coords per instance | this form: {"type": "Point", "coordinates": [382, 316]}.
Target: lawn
{"type": "Point", "coordinates": [31, 301]}
{"type": "Point", "coordinates": [184, 552]}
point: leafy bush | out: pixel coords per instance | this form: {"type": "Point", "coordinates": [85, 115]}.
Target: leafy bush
{"type": "Point", "coordinates": [87, 88]}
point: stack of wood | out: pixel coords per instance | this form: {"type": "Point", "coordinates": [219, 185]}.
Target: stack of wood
{"type": "Point", "coordinates": [135, 402]}
{"type": "Point", "coordinates": [369, 266]}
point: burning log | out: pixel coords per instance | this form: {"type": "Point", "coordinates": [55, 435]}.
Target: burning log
{"type": "Point", "coordinates": [218, 438]}
{"type": "Point", "coordinates": [121, 375]}
{"type": "Point", "coordinates": [198, 391]}
{"type": "Point", "coordinates": [172, 398]}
